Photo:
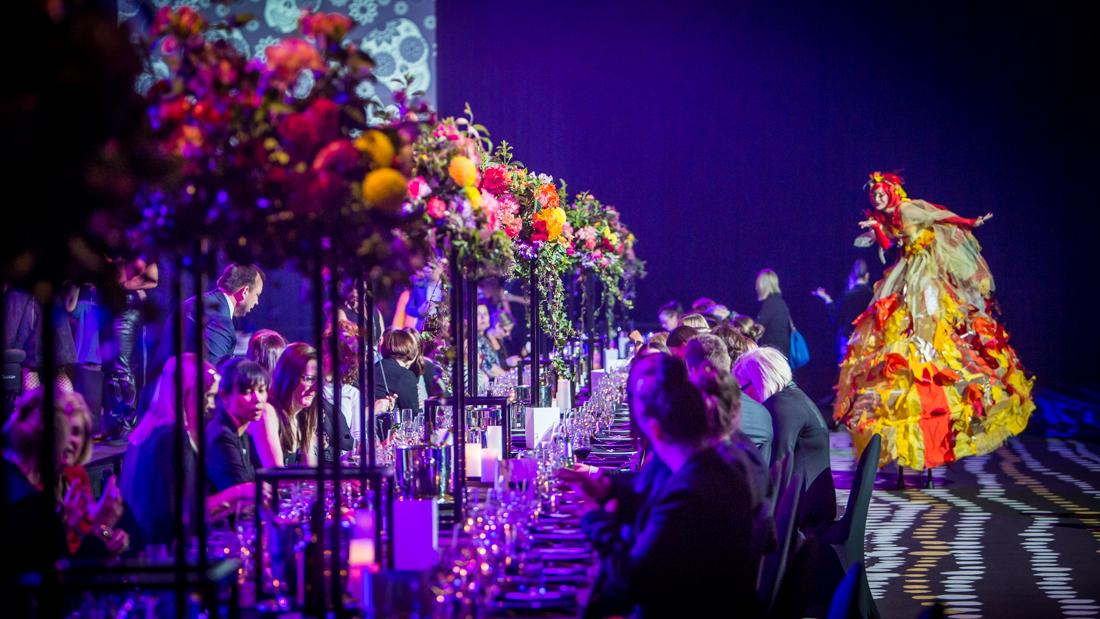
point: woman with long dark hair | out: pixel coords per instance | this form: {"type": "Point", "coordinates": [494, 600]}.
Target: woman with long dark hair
{"type": "Point", "coordinates": [288, 428]}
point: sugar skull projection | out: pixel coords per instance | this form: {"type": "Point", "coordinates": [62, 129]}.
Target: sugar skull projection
{"type": "Point", "coordinates": [397, 50]}
{"type": "Point", "coordinates": [283, 15]}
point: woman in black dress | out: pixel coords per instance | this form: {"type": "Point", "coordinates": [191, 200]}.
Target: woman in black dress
{"type": "Point", "coordinates": [773, 315]}
{"type": "Point", "coordinates": [798, 427]}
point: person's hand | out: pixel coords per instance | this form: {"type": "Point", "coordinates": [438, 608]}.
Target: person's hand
{"type": "Point", "coordinates": [981, 220]}
{"type": "Point", "coordinates": [116, 540]}
{"type": "Point", "coordinates": [74, 506]}
{"type": "Point", "coordinates": [109, 508]}
{"type": "Point", "coordinates": [586, 481]}
{"type": "Point", "coordinates": [867, 223]}
{"type": "Point", "coordinates": [636, 336]}
{"type": "Point", "coordinates": [821, 294]}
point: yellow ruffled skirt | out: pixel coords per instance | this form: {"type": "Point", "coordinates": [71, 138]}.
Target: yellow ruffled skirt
{"type": "Point", "coordinates": [933, 375]}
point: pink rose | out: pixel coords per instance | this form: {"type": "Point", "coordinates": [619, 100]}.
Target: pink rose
{"type": "Point", "coordinates": [418, 188]}
{"type": "Point", "coordinates": [437, 208]}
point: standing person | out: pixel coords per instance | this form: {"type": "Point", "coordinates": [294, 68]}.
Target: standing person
{"type": "Point", "coordinates": [23, 320]}
{"type": "Point", "coordinates": [83, 306]}
{"type": "Point", "coordinates": [237, 292]}
{"type": "Point", "coordinates": [799, 428]}
{"type": "Point", "coordinates": [928, 366]}
{"type": "Point", "coordinates": [134, 277]}
{"type": "Point", "coordinates": [231, 457]}
{"type": "Point", "coordinates": [856, 297]}
{"type": "Point", "coordinates": [773, 315]}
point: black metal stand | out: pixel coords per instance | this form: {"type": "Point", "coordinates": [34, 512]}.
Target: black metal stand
{"type": "Point", "coordinates": [536, 335]}
{"type": "Point", "coordinates": [458, 395]}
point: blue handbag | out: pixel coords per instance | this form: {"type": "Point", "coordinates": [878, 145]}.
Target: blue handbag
{"type": "Point", "coordinates": [800, 353]}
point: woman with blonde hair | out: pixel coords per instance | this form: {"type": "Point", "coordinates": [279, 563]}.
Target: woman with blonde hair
{"type": "Point", "coordinates": [798, 427]}
{"type": "Point", "coordinates": [773, 316]}
{"type": "Point", "coordinates": [148, 468]}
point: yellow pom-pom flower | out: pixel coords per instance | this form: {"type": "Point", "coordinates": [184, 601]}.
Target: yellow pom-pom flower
{"type": "Point", "coordinates": [377, 146]}
{"type": "Point", "coordinates": [463, 171]}
{"type": "Point", "coordinates": [384, 188]}
{"type": "Point", "coordinates": [474, 196]}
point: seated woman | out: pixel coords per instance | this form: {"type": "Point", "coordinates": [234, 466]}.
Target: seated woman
{"type": "Point", "coordinates": [30, 510]}
{"type": "Point", "coordinates": [799, 429]}
{"type": "Point", "coordinates": [427, 372]}
{"type": "Point", "coordinates": [669, 569]}
{"type": "Point", "coordinates": [287, 430]}
{"type": "Point", "coordinates": [92, 526]}
{"type": "Point", "coordinates": [392, 376]}
{"type": "Point", "coordinates": [148, 468]}
{"type": "Point", "coordinates": [497, 335]}
{"type": "Point", "coordinates": [231, 457]}
{"type": "Point", "coordinates": [488, 360]}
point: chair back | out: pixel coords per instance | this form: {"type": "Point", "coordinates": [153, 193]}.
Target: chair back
{"type": "Point", "coordinates": [786, 530]}
{"type": "Point", "coordinates": [845, 604]}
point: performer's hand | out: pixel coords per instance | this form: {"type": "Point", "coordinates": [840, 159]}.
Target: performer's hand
{"type": "Point", "coordinates": [866, 223]}
{"type": "Point", "coordinates": [981, 220]}
{"type": "Point", "coordinates": [821, 294]}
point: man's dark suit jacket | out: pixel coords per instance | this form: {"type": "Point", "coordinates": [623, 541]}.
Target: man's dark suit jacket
{"type": "Point", "coordinates": [219, 336]}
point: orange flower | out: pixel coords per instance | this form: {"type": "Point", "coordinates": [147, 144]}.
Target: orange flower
{"type": "Point", "coordinates": [548, 197]}
{"type": "Point", "coordinates": [551, 221]}
{"type": "Point", "coordinates": [463, 171]}
{"type": "Point", "coordinates": [289, 57]}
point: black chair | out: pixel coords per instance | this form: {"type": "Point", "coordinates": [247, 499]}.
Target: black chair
{"type": "Point", "coordinates": [822, 560]}
{"type": "Point", "coordinates": [786, 530]}
{"type": "Point", "coordinates": [846, 536]}
{"type": "Point", "coordinates": [846, 599]}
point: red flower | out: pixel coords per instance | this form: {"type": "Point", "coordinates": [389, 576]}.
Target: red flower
{"type": "Point", "coordinates": [327, 191]}
{"type": "Point", "coordinates": [495, 180]}
{"type": "Point", "coordinates": [540, 233]}
{"type": "Point", "coordinates": [173, 111]}
{"type": "Point", "coordinates": [305, 132]}
{"type": "Point", "coordinates": [339, 156]}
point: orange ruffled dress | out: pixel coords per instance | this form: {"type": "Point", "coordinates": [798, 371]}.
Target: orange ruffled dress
{"type": "Point", "coordinates": [928, 367]}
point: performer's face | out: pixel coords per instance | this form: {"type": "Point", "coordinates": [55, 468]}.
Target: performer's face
{"type": "Point", "coordinates": [880, 199]}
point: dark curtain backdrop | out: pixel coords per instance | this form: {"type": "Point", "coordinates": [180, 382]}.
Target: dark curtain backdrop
{"type": "Point", "coordinates": [736, 136]}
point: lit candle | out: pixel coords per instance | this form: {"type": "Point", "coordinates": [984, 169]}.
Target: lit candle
{"type": "Point", "coordinates": [473, 460]}
{"type": "Point", "coordinates": [489, 459]}
{"type": "Point", "coordinates": [494, 438]}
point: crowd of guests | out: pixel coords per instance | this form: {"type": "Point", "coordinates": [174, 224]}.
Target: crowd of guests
{"type": "Point", "coordinates": [260, 408]}
{"type": "Point", "coordinates": [717, 409]}
{"type": "Point", "coordinates": [712, 398]}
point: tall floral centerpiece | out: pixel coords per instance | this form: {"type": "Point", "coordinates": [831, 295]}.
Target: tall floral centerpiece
{"type": "Point", "coordinates": [277, 157]}
{"type": "Point", "coordinates": [604, 248]}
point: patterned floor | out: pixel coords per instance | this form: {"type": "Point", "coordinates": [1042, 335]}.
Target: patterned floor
{"type": "Point", "coordinates": [1015, 533]}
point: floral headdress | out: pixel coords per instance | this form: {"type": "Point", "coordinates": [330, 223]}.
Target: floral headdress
{"type": "Point", "coordinates": [891, 183]}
